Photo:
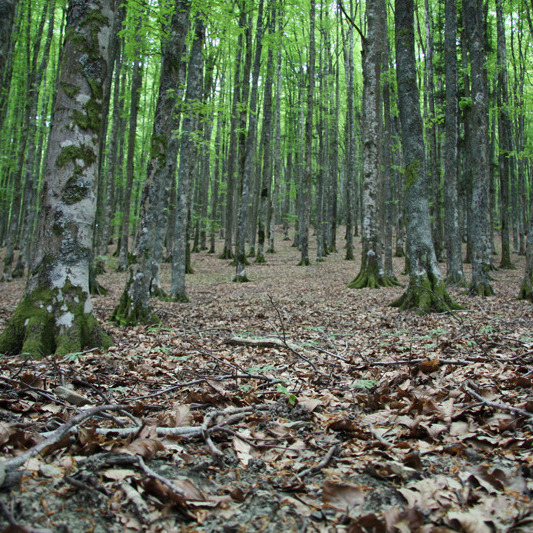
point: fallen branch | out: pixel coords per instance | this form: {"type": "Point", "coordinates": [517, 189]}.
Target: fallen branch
{"type": "Point", "coordinates": [502, 406]}
{"type": "Point", "coordinates": [55, 436]}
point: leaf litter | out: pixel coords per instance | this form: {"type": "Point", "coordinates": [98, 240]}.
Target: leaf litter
{"type": "Point", "coordinates": [290, 403]}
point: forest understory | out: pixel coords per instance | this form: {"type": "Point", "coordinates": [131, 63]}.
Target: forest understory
{"type": "Point", "coordinates": [290, 403]}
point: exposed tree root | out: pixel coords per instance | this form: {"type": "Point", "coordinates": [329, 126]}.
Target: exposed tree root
{"type": "Point", "coordinates": [426, 297]}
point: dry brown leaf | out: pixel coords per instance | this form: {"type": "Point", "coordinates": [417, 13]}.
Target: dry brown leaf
{"type": "Point", "coordinates": [343, 496]}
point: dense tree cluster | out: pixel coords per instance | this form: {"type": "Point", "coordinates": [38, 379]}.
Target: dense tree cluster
{"type": "Point", "coordinates": [144, 129]}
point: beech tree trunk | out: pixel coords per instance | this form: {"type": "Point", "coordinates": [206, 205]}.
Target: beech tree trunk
{"type": "Point", "coordinates": [372, 274]}
{"type": "Point", "coordinates": [55, 315]}
{"type": "Point", "coordinates": [454, 260]}
{"type": "Point", "coordinates": [480, 215]}
{"type": "Point", "coordinates": [249, 163]}
{"type": "Point", "coordinates": [426, 290]}
{"type": "Point", "coordinates": [134, 305]}
{"type": "Point", "coordinates": [188, 156]}
{"type": "Point", "coordinates": [307, 181]}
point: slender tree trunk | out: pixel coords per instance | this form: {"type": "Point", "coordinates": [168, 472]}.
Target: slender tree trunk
{"type": "Point", "coordinates": [372, 274]}
{"type": "Point", "coordinates": [504, 139]}
{"type": "Point", "coordinates": [481, 249]}
{"type": "Point", "coordinates": [454, 261]}
{"type": "Point", "coordinates": [227, 253]}
{"type": "Point", "coordinates": [308, 176]}
{"type": "Point", "coordinates": [250, 151]}
{"type": "Point", "coordinates": [130, 164]}
{"type": "Point", "coordinates": [55, 314]}
{"type": "Point", "coordinates": [134, 305]}
{"type": "Point", "coordinates": [426, 290]}
{"type": "Point", "coordinates": [188, 154]}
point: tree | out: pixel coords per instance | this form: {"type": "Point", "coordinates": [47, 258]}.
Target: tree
{"type": "Point", "coordinates": [307, 174]}
{"type": "Point", "coordinates": [55, 314]}
{"type": "Point", "coordinates": [7, 20]}
{"type": "Point", "coordinates": [526, 290]}
{"type": "Point", "coordinates": [188, 155]}
{"type": "Point", "coordinates": [249, 163]}
{"type": "Point", "coordinates": [426, 290]}
{"type": "Point", "coordinates": [480, 219]}
{"type": "Point", "coordinates": [454, 262]}
{"type": "Point", "coordinates": [135, 305]}
{"type": "Point", "coordinates": [372, 274]}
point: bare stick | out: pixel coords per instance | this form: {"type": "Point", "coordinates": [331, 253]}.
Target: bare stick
{"type": "Point", "coordinates": [322, 464]}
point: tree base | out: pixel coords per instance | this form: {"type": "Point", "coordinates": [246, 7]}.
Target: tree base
{"type": "Point", "coordinates": [426, 297]}
{"type": "Point", "coordinates": [260, 259]}
{"type": "Point", "coordinates": [240, 278]}
{"type": "Point", "coordinates": [130, 313]}
{"type": "Point", "coordinates": [35, 330]}
{"type": "Point", "coordinates": [480, 289]}
{"type": "Point", "coordinates": [507, 265]}
{"type": "Point", "coordinates": [226, 254]}
{"type": "Point", "coordinates": [371, 280]}
{"type": "Point", "coordinates": [526, 292]}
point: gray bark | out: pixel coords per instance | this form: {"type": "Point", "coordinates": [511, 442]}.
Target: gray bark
{"type": "Point", "coordinates": [454, 261]}
{"type": "Point", "coordinates": [55, 314]}
{"type": "Point", "coordinates": [480, 215]}
{"type": "Point", "coordinates": [426, 290]}
{"type": "Point", "coordinates": [187, 162]}
{"type": "Point", "coordinates": [249, 163]}
{"type": "Point", "coordinates": [135, 305]}
{"type": "Point", "coordinates": [307, 181]}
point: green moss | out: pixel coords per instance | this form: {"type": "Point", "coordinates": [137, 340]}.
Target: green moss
{"type": "Point", "coordinates": [158, 149]}
{"type": "Point", "coordinates": [75, 191]}
{"type": "Point", "coordinates": [426, 296]}
{"type": "Point", "coordinates": [33, 330]}
{"type": "Point", "coordinates": [70, 89]}
{"type": "Point", "coordinates": [412, 173]}
{"type": "Point", "coordinates": [72, 153]}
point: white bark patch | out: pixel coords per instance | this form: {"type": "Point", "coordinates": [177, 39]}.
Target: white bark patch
{"type": "Point", "coordinates": [88, 306]}
{"type": "Point", "coordinates": [82, 98]}
{"type": "Point", "coordinates": [67, 319]}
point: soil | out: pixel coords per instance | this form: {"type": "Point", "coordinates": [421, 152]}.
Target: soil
{"type": "Point", "coordinates": [343, 414]}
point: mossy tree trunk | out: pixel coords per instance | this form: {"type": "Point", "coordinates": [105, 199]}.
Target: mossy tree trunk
{"type": "Point", "coordinates": [134, 306]}
{"type": "Point", "coordinates": [426, 290]}
{"type": "Point", "coordinates": [526, 291]}
{"type": "Point", "coordinates": [55, 315]}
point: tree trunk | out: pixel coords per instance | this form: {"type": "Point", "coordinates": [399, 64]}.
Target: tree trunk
{"type": "Point", "coordinates": [372, 274]}
{"type": "Point", "coordinates": [55, 315]}
{"type": "Point", "coordinates": [481, 249]}
{"type": "Point", "coordinates": [504, 138]}
{"type": "Point", "coordinates": [188, 155]}
{"type": "Point", "coordinates": [136, 83]}
{"type": "Point", "coordinates": [426, 290]}
{"type": "Point", "coordinates": [454, 260]}
{"type": "Point", "coordinates": [307, 175]}
{"type": "Point", "coordinates": [526, 291]}
{"type": "Point", "coordinates": [249, 163]}
{"type": "Point", "coordinates": [134, 305]}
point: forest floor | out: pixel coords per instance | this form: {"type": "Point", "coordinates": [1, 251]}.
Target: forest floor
{"type": "Point", "coordinates": [289, 403]}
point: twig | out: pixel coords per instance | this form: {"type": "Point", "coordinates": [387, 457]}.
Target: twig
{"type": "Point", "coordinates": [502, 406]}
{"type": "Point", "coordinates": [322, 464]}
{"type": "Point", "coordinates": [379, 437]}
{"type": "Point", "coordinates": [58, 434]}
